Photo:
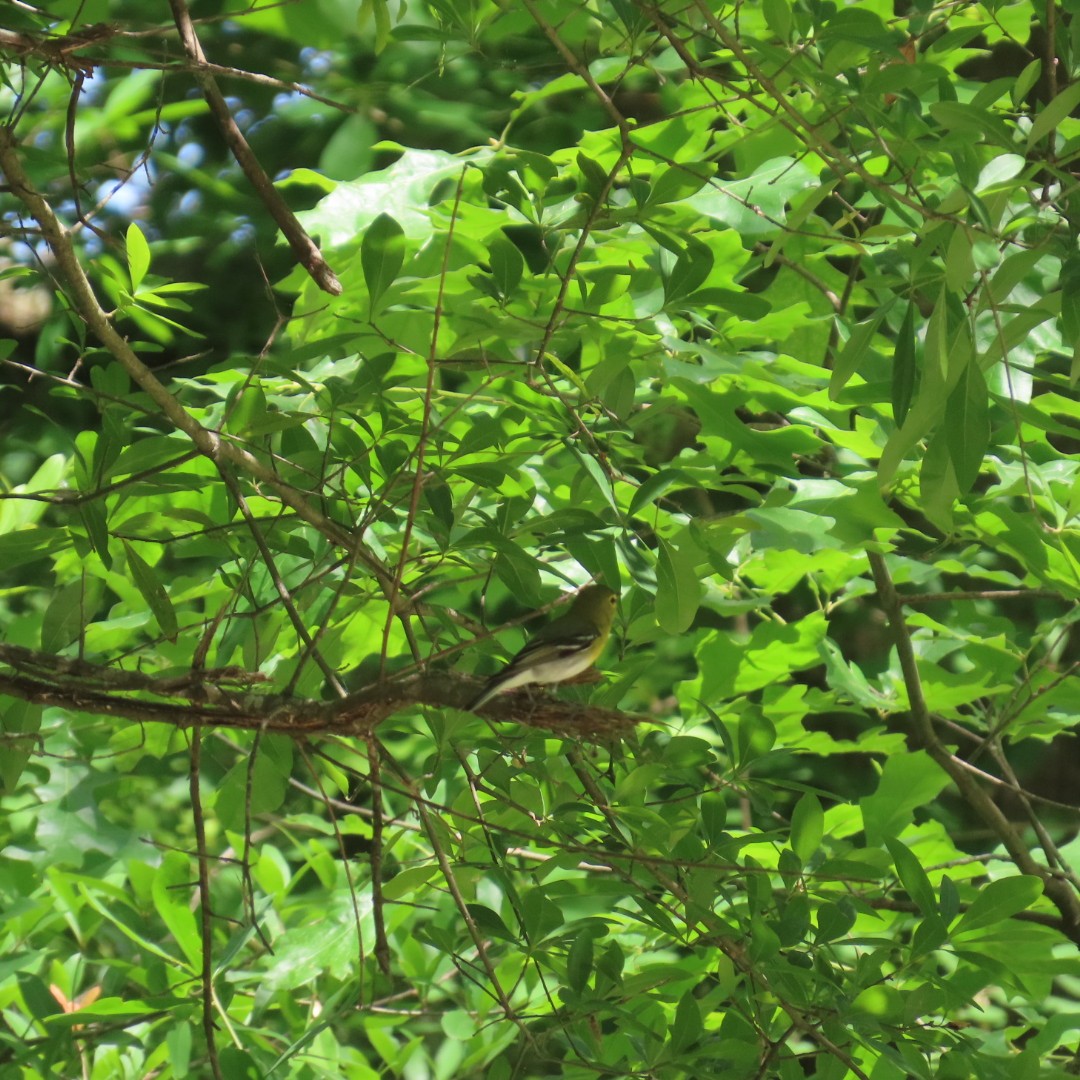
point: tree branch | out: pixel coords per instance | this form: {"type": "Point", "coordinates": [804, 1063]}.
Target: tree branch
{"type": "Point", "coordinates": [208, 443]}
{"type": "Point", "coordinates": [187, 701]}
{"type": "Point", "coordinates": [1059, 891]}
{"type": "Point", "coordinates": [304, 248]}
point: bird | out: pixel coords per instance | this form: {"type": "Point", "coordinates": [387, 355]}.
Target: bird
{"type": "Point", "coordinates": [563, 648]}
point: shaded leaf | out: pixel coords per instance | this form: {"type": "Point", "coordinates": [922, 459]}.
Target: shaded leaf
{"type": "Point", "coordinates": [903, 380]}
{"type": "Point", "coordinates": [153, 592]}
{"type": "Point", "coordinates": [912, 876]}
{"type": "Point", "coordinates": [677, 589]}
{"type": "Point", "coordinates": [807, 826]}
{"type": "Point", "coordinates": [967, 425]}
{"type": "Point", "coordinates": [382, 254]}
{"type": "Point", "coordinates": [999, 900]}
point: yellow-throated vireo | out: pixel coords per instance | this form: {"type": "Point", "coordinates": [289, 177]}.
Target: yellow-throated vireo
{"type": "Point", "coordinates": [564, 648]}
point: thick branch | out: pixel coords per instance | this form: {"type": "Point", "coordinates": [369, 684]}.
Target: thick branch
{"type": "Point", "coordinates": [184, 703]}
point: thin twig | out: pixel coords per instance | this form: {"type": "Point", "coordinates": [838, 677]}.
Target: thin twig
{"type": "Point", "coordinates": [208, 443]}
{"type": "Point", "coordinates": [205, 918]}
{"type": "Point", "coordinates": [1060, 892]}
{"type": "Point", "coordinates": [378, 904]}
{"type": "Point", "coordinates": [425, 432]}
{"type": "Point", "coordinates": [279, 583]}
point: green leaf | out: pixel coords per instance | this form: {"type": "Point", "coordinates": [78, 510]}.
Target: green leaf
{"type": "Point", "coordinates": [959, 261]}
{"type": "Point", "coordinates": [688, 1026]}
{"type": "Point", "coordinates": [29, 545]}
{"type": "Point", "coordinates": [269, 770]}
{"type": "Point", "coordinates": [713, 810]}
{"type": "Point", "coordinates": [97, 529]}
{"type": "Point", "coordinates": [856, 349]}
{"type": "Point", "coordinates": [379, 12]}
{"type": "Point", "coordinates": [596, 471]}
{"type": "Point", "coordinates": [489, 922]}
{"type": "Point", "coordinates": [157, 599]}
{"type": "Point", "coordinates": [104, 1009]}
{"type": "Point", "coordinates": [173, 884]}
{"type": "Point", "coordinates": [17, 718]}
{"type": "Point", "coordinates": [1070, 298]}
{"type": "Point", "coordinates": [1053, 113]}
{"type": "Point", "coordinates": [1000, 170]}
{"type": "Point", "coordinates": [678, 182]}
{"type": "Point", "coordinates": [594, 176]}
{"type": "Point", "coordinates": [998, 901]}
{"type": "Point", "coordinates": [518, 571]}
{"type": "Point", "coordinates": [834, 920]}
{"type": "Point", "coordinates": [567, 373]}
{"type": "Point", "coordinates": [677, 589]}
{"type": "Point", "coordinates": [540, 916]}
{"type": "Point", "coordinates": [579, 960]}
{"type": "Point", "coordinates": [967, 425]}
{"type": "Point", "coordinates": [949, 902]}
{"type": "Point", "coordinates": [971, 123]}
{"type": "Point", "coordinates": [883, 1002]}
{"type": "Point", "coordinates": [382, 253]}
{"type": "Point", "coordinates": [903, 380]}
{"type": "Point", "coordinates": [70, 609]}
{"type": "Point", "coordinates": [179, 1040]}
{"type": "Point", "coordinates": [402, 190]}
{"type": "Point", "coordinates": [407, 881]}
{"type": "Point", "coordinates": [807, 826]}
{"type": "Point", "coordinates": [756, 206]}
{"type": "Point", "coordinates": [654, 486]}
{"type": "Point", "coordinates": [458, 1024]}
{"type": "Point", "coordinates": [907, 782]}
{"type": "Point", "coordinates": [1025, 82]}
{"type": "Point", "coordinates": [938, 490]}
{"type": "Point", "coordinates": [931, 933]}
{"type": "Point", "coordinates": [507, 265]}
{"type": "Point", "coordinates": [778, 17]}
{"type": "Point", "coordinates": [956, 38]}
{"type": "Point", "coordinates": [138, 256]}
{"type": "Point", "coordinates": [912, 876]}
{"type": "Point", "coordinates": [692, 267]}
{"type": "Point", "coordinates": [756, 737]}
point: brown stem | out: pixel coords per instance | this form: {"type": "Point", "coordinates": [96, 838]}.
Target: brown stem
{"type": "Point", "coordinates": [378, 903]}
{"type": "Point", "coordinates": [207, 702]}
{"type": "Point", "coordinates": [1059, 892]}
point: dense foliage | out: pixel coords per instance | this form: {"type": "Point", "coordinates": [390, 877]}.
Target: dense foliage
{"type": "Point", "coordinates": [765, 314]}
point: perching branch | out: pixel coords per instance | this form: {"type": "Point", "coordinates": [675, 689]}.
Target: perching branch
{"type": "Point", "coordinates": [83, 687]}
